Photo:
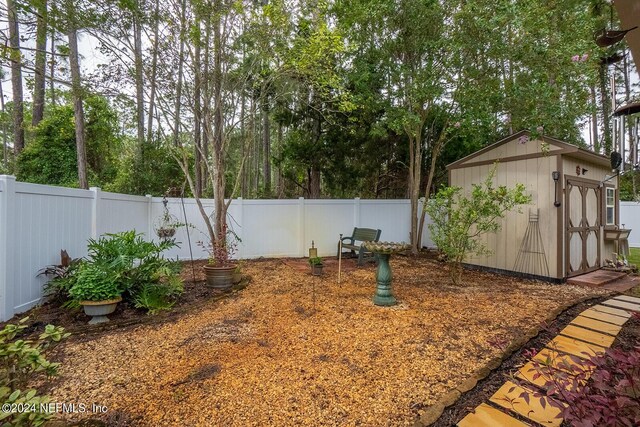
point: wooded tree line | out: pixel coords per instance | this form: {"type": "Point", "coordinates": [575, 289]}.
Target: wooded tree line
{"type": "Point", "coordinates": [287, 98]}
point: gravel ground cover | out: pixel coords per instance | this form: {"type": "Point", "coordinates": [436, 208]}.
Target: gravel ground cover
{"type": "Point", "coordinates": [294, 349]}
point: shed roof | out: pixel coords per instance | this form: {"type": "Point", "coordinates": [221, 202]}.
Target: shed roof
{"type": "Point", "coordinates": [560, 147]}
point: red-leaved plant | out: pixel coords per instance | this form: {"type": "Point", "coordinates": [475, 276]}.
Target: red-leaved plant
{"type": "Point", "coordinates": [221, 252]}
{"type": "Point", "coordinates": [599, 391]}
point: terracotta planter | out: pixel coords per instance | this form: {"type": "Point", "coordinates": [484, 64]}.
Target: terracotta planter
{"type": "Point", "coordinates": [316, 269]}
{"type": "Point", "coordinates": [219, 277]}
{"type": "Point", "coordinates": [98, 310]}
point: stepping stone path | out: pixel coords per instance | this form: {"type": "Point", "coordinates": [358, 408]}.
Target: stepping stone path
{"type": "Point", "coordinates": [593, 331]}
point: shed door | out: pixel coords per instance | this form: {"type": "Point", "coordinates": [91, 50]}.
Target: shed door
{"type": "Point", "coordinates": [582, 240]}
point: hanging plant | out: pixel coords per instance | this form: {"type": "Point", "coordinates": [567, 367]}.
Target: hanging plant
{"type": "Point", "coordinates": [167, 224]}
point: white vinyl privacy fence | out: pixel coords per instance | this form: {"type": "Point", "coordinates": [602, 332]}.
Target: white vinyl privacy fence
{"type": "Point", "coordinates": [37, 221]}
{"type": "Point", "coordinates": [630, 218]}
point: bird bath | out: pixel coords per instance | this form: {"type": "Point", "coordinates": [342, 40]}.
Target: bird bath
{"type": "Point", "coordinates": [383, 250]}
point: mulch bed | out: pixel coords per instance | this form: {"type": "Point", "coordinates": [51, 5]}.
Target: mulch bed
{"type": "Point", "coordinates": [75, 321]}
{"type": "Point", "coordinates": [295, 349]}
{"type": "Point", "coordinates": [626, 339]}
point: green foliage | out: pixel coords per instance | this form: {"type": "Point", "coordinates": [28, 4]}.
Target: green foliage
{"type": "Point", "coordinates": [153, 172]}
{"type": "Point", "coordinates": [121, 264]}
{"type": "Point", "coordinates": [460, 220]}
{"type": "Point", "coordinates": [51, 157]}
{"type": "Point", "coordinates": [629, 183]}
{"type": "Point", "coordinates": [22, 361]}
{"type": "Point", "coordinates": [155, 297]}
{"type": "Point", "coordinates": [315, 261]}
{"type": "Point", "coordinates": [94, 283]}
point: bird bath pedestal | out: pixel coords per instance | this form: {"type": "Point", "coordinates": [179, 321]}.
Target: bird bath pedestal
{"type": "Point", "coordinates": [383, 250]}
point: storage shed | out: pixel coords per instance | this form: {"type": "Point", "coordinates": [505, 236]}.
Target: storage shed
{"type": "Point", "coordinates": [565, 231]}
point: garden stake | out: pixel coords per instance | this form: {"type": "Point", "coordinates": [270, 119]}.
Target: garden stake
{"type": "Point", "coordinates": [339, 257]}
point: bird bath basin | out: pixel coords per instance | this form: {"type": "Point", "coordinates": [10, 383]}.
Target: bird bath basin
{"type": "Point", "coordinates": [383, 250]}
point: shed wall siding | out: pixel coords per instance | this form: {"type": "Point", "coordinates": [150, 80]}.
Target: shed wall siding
{"type": "Point", "coordinates": [535, 174]}
{"type": "Point", "coordinates": [511, 149]}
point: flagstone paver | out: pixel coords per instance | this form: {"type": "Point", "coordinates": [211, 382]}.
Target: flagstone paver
{"type": "Point", "coordinates": [559, 360]}
{"type": "Point", "coordinates": [575, 347]}
{"type": "Point", "coordinates": [604, 317]}
{"type": "Point", "coordinates": [628, 298]}
{"type": "Point", "coordinates": [589, 334]}
{"type": "Point", "coordinates": [592, 337]}
{"type": "Point", "coordinates": [596, 325]}
{"type": "Point", "coordinates": [487, 416]}
{"type": "Point", "coordinates": [612, 310]}
{"type": "Point", "coordinates": [509, 396]}
{"type": "Point", "coordinates": [532, 374]}
{"type": "Point", "coordinates": [623, 304]}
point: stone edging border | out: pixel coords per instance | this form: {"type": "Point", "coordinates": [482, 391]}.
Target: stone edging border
{"type": "Point", "coordinates": [433, 412]}
{"type": "Point", "coordinates": [85, 331]}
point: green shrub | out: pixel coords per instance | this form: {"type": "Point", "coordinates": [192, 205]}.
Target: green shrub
{"type": "Point", "coordinates": [22, 361]}
{"type": "Point", "coordinates": [94, 283]}
{"type": "Point", "coordinates": [121, 264]}
{"type": "Point", "coordinates": [155, 297]}
{"type": "Point", "coordinates": [315, 261]}
{"type": "Point", "coordinates": [460, 220]}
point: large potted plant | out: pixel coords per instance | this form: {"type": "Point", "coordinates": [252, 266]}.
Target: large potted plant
{"type": "Point", "coordinates": [97, 292]}
{"type": "Point", "coordinates": [220, 267]}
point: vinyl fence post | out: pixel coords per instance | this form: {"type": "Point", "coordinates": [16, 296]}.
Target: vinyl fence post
{"type": "Point", "coordinates": [149, 217]}
{"type": "Point", "coordinates": [356, 212]}
{"type": "Point", "coordinates": [8, 284]}
{"type": "Point", "coordinates": [95, 212]}
{"type": "Point", "coordinates": [239, 220]}
{"type": "Point", "coordinates": [301, 226]}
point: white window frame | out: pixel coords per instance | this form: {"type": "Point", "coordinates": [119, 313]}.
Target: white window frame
{"type": "Point", "coordinates": [610, 206]}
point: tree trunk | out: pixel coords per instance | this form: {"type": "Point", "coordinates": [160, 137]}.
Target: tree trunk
{"type": "Point", "coordinates": [415, 170]}
{"type": "Point", "coordinates": [5, 146]}
{"type": "Point", "coordinates": [197, 117]}
{"type": "Point", "coordinates": [266, 147]}
{"type": "Point", "coordinates": [154, 70]}
{"type": "Point", "coordinates": [52, 65]}
{"type": "Point", "coordinates": [594, 120]}
{"type": "Point", "coordinates": [16, 77]}
{"type": "Point", "coordinates": [435, 153]}
{"type": "Point", "coordinates": [40, 64]}
{"type": "Point", "coordinates": [176, 118]}
{"type": "Point", "coordinates": [74, 65]}
{"type": "Point", "coordinates": [206, 105]}
{"type": "Point", "coordinates": [605, 99]}
{"type": "Point", "coordinates": [280, 178]}
{"type": "Point", "coordinates": [315, 176]}
{"type": "Point", "coordinates": [220, 222]}
{"type": "Point", "coordinates": [139, 79]}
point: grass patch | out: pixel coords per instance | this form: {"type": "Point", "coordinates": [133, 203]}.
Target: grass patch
{"type": "Point", "coordinates": [634, 256]}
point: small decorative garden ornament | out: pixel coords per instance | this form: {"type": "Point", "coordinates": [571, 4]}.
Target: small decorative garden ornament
{"type": "Point", "coordinates": [383, 250]}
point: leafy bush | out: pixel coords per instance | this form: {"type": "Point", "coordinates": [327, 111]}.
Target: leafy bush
{"type": "Point", "coordinates": [121, 264]}
{"type": "Point", "coordinates": [156, 297]}
{"type": "Point", "coordinates": [22, 361]}
{"type": "Point", "coordinates": [460, 220]}
{"type": "Point", "coordinates": [315, 261]}
{"type": "Point", "coordinates": [93, 283]}
{"type": "Point", "coordinates": [51, 157]}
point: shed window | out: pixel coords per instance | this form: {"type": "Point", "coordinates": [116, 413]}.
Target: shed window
{"type": "Point", "coordinates": [611, 205]}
